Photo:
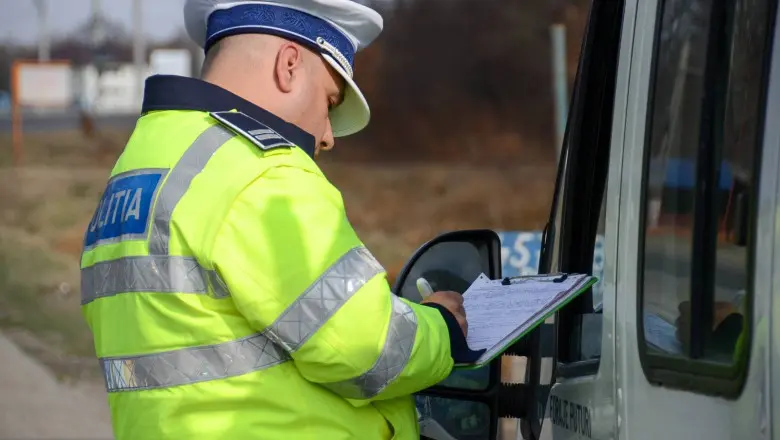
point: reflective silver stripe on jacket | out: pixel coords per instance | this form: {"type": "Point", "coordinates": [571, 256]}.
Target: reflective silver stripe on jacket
{"type": "Point", "coordinates": [321, 301]}
{"type": "Point", "coordinates": [391, 362]}
{"type": "Point", "coordinates": [155, 273]}
{"type": "Point", "coordinates": [323, 298]}
{"type": "Point", "coordinates": [191, 365]}
{"type": "Point", "coordinates": [296, 324]}
{"type": "Point", "coordinates": [161, 272]}
{"type": "Point", "coordinates": [190, 165]}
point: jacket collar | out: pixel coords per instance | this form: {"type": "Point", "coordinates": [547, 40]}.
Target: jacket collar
{"type": "Point", "coordinates": [171, 92]}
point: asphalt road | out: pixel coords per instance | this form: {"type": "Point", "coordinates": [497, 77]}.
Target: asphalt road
{"type": "Point", "coordinates": [33, 405]}
{"type": "Point", "coordinates": [32, 122]}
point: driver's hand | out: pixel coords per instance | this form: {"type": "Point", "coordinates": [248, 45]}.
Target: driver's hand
{"type": "Point", "coordinates": [722, 310]}
{"type": "Point", "coordinates": [452, 301]}
{"type": "Point", "coordinates": [683, 324]}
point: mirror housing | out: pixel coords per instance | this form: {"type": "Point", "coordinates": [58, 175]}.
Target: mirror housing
{"type": "Point", "coordinates": [451, 261]}
{"type": "Point", "coordinates": [465, 404]}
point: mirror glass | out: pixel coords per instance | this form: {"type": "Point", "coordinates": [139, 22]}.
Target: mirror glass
{"type": "Point", "coordinates": [447, 266]}
{"type": "Point", "coordinates": [449, 419]}
{"type": "Point", "coordinates": [451, 266]}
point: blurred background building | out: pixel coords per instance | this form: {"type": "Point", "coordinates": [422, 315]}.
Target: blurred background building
{"type": "Point", "coordinates": [484, 66]}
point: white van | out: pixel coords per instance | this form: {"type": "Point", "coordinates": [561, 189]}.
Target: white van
{"type": "Point", "coordinates": [672, 159]}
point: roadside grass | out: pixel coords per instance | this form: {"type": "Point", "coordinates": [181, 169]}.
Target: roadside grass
{"type": "Point", "coordinates": [41, 315]}
{"type": "Point", "coordinates": [42, 215]}
{"type": "Point", "coordinates": [66, 148]}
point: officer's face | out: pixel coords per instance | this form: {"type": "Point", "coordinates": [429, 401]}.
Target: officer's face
{"type": "Point", "coordinates": [327, 92]}
{"type": "Point", "coordinates": [311, 87]}
{"type": "Point", "coordinates": [331, 93]}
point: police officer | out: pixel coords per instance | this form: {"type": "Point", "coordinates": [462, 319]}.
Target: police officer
{"type": "Point", "coordinates": [228, 294]}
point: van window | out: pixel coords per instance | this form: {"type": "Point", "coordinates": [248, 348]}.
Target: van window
{"type": "Point", "coordinates": [673, 145]}
{"type": "Point", "coordinates": [706, 114]}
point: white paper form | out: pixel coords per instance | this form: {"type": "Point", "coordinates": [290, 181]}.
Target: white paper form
{"type": "Point", "coordinates": [498, 313]}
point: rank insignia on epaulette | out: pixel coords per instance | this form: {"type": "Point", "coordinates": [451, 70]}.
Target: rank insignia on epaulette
{"type": "Point", "coordinates": [255, 131]}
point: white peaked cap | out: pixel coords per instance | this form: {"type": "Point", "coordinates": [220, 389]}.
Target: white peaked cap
{"type": "Point", "coordinates": [337, 29]}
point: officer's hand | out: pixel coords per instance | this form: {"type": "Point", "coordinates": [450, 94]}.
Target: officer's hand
{"type": "Point", "coordinates": [452, 301]}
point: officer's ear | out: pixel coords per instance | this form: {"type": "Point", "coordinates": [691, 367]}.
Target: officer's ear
{"type": "Point", "coordinates": [289, 65]}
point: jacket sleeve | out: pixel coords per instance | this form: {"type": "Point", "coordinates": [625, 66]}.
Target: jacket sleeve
{"type": "Point", "coordinates": [298, 272]}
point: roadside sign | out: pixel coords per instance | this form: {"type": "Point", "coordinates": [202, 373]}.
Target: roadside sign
{"type": "Point", "coordinates": [40, 85]}
{"type": "Point", "coordinates": [43, 85]}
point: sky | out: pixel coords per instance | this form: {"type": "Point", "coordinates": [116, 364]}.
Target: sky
{"type": "Point", "coordinates": [19, 18]}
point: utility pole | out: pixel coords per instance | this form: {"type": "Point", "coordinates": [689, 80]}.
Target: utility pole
{"type": "Point", "coordinates": [560, 83]}
{"type": "Point", "coordinates": [97, 25]}
{"type": "Point", "coordinates": [44, 39]}
{"type": "Point", "coordinates": [139, 49]}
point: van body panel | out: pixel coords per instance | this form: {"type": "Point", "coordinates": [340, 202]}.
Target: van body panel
{"type": "Point", "coordinates": [621, 402]}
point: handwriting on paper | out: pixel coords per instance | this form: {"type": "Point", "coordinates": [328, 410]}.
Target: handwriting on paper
{"type": "Point", "coordinates": [496, 312]}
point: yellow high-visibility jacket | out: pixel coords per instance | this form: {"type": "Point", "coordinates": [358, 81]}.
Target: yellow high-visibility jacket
{"type": "Point", "coordinates": [228, 294]}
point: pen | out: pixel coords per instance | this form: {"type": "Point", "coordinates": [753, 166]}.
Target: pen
{"type": "Point", "coordinates": [424, 287]}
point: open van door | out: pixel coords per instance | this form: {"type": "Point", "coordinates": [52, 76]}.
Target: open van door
{"type": "Point", "coordinates": [666, 165]}
{"type": "Point", "coordinates": [575, 240]}
{"type": "Point", "coordinates": [468, 404]}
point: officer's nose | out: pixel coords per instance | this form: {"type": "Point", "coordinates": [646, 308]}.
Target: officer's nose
{"type": "Point", "coordinates": [328, 141]}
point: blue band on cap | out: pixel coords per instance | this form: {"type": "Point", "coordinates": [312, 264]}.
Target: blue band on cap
{"type": "Point", "coordinates": [277, 20]}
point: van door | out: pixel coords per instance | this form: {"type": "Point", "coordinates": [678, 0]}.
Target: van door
{"type": "Point", "coordinates": [686, 356]}
{"type": "Point", "coordinates": [696, 211]}
{"type": "Point", "coordinates": [678, 347]}
{"type": "Point", "coordinates": [580, 232]}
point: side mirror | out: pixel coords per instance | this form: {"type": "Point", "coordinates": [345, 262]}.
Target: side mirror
{"type": "Point", "coordinates": [451, 261]}
{"type": "Point", "coordinates": [466, 404]}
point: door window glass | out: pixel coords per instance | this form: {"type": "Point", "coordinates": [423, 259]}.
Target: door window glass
{"type": "Point", "coordinates": [742, 128]}
{"type": "Point", "coordinates": [674, 138]}
{"type": "Point", "coordinates": [700, 195]}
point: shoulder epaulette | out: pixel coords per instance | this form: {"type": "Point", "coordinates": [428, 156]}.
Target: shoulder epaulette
{"type": "Point", "coordinates": [255, 131]}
